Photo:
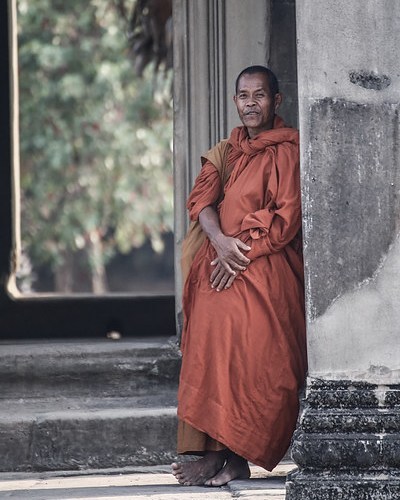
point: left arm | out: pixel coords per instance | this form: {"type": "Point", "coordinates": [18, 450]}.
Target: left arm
{"type": "Point", "coordinates": [276, 225]}
{"type": "Point", "coordinates": [270, 229]}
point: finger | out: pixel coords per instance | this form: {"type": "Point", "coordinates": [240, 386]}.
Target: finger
{"type": "Point", "coordinates": [243, 259]}
{"type": "Point", "coordinates": [239, 267]}
{"type": "Point", "coordinates": [229, 282]}
{"type": "Point", "coordinates": [223, 282]}
{"type": "Point", "coordinates": [217, 279]}
{"type": "Point", "coordinates": [215, 273]}
{"type": "Point", "coordinates": [227, 266]}
{"type": "Point", "coordinates": [242, 245]}
{"type": "Point", "coordinates": [239, 258]}
{"type": "Point", "coordinates": [215, 262]}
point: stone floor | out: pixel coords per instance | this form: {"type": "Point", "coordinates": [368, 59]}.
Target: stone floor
{"type": "Point", "coordinates": [152, 483]}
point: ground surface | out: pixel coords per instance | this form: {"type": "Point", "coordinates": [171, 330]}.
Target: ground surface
{"type": "Point", "coordinates": [152, 483]}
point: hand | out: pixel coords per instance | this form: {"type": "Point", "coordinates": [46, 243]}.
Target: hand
{"type": "Point", "coordinates": [230, 253]}
{"type": "Point", "coordinates": [221, 278]}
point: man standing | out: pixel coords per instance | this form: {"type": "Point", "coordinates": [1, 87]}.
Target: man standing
{"type": "Point", "coordinates": [243, 343]}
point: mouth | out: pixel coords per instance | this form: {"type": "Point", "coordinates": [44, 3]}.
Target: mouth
{"type": "Point", "coordinates": [251, 113]}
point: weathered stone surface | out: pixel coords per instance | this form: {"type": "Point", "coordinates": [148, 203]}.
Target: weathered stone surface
{"type": "Point", "coordinates": [15, 445]}
{"type": "Point", "coordinates": [116, 439]}
{"type": "Point", "coordinates": [83, 368]}
{"type": "Point", "coordinates": [342, 398]}
{"type": "Point", "coordinates": [346, 451]}
{"type": "Point", "coordinates": [370, 80]}
{"type": "Point", "coordinates": [392, 397]}
{"type": "Point", "coordinates": [79, 405]}
{"type": "Point", "coordinates": [368, 421]}
{"type": "Point", "coordinates": [381, 486]}
{"type": "Point", "coordinates": [347, 445]}
{"type": "Point", "coordinates": [351, 185]}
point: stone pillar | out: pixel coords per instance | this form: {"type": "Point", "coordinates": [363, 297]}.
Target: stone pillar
{"type": "Point", "coordinates": [348, 442]}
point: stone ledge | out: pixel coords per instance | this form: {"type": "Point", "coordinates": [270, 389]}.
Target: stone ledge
{"type": "Point", "coordinates": [382, 486]}
{"type": "Point", "coordinates": [80, 440]}
{"type": "Point", "coordinates": [343, 451]}
{"type": "Point", "coordinates": [381, 420]}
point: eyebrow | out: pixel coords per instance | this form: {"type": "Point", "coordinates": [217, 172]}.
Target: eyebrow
{"type": "Point", "coordinates": [260, 89]}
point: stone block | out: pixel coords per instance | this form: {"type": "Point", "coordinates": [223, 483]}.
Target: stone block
{"type": "Point", "coordinates": [15, 445]}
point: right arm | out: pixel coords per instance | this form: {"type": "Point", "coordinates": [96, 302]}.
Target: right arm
{"type": "Point", "coordinates": [201, 203]}
{"type": "Point", "coordinates": [230, 257]}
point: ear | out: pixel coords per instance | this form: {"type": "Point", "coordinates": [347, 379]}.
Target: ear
{"type": "Point", "coordinates": [277, 100]}
{"type": "Point", "coordinates": [234, 98]}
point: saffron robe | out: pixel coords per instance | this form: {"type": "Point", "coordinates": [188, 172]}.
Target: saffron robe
{"type": "Point", "coordinates": [244, 354]}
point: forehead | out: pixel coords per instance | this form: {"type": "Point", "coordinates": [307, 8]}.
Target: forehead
{"type": "Point", "coordinates": [253, 81]}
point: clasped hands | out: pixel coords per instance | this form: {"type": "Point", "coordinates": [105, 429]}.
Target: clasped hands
{"type": "Point", "coordinates": [230, 261]}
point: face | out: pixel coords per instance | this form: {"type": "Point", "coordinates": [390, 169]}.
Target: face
{"type": "Point", "coordinates": [255, 106]}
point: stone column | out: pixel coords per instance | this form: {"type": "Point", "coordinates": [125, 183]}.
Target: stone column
{"type": "Point", "coordinates": [348, 442]}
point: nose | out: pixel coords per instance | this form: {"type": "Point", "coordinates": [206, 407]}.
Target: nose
{"type": "Point", "coordinates": [250, 102]}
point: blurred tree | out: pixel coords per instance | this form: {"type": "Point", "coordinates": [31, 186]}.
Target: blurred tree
{"type": "Point", "coordinates": [95, 139]}
{"type": "Point", "coordinates": [150, 33]}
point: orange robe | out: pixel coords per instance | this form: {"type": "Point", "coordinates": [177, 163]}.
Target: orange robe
{"type": "Point", "coordinates": [244, 354]}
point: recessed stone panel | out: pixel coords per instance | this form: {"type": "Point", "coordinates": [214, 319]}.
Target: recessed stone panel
{"type": "Point", "coordinates": [351, 191]}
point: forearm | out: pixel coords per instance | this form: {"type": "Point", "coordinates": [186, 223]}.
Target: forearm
{"type": "Point", "coordinates": [210, 224]}
{"type": "Point", "coordinates": [273, 238]}
{"type": "Point", "coordinates": [229, 250]}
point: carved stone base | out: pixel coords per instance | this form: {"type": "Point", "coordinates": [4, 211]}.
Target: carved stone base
{"type": "Point", "coordinates": [343, 487]}
{"type": "Point", "coordinates": [348, 443]}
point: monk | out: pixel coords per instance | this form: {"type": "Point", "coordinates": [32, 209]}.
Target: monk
{"type": "Point", "coordinates": [243, 343]}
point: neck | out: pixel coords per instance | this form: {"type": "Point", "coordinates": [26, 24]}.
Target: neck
{"type": "Point", "coordinates": [252, 132]}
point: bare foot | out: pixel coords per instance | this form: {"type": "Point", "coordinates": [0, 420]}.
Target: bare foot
{"type": "Point", "coordinates": [235, 468]}
{"type": "Point", "coordinates": [197, 472]}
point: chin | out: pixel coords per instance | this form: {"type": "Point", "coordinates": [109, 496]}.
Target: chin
{"type": "Point", "coordinates": [251, 123]}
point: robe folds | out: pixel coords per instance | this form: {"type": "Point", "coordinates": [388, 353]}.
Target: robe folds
{"type": "Point", "coordinates": [243, 349]}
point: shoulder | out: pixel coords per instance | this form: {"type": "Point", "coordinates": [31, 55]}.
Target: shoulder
{"type": "Point", "coordinates": [217, 154]}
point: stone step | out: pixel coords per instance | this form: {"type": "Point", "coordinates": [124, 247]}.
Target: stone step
{"type": "Point", "coordinates": [87, 368]}
{"type": "Point", "coordinates": [64, 434]}
{"type": "Point", "coordinates": [77, 405]}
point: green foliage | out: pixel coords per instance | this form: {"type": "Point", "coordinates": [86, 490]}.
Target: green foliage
{"type": "Point", "coordinates": [95, 139]}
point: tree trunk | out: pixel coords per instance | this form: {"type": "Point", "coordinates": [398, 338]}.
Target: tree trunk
{"type": "Point", "coordinates": [64, 274]}
{"type": "Point", "coordinates": [96, 258]}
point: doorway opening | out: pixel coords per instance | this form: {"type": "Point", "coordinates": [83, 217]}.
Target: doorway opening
{"type": "Point", "coordinates": [95, 147]}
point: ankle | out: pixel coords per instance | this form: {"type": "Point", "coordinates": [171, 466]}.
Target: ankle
{"type": "Point", "coordinates": [217, 456]}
